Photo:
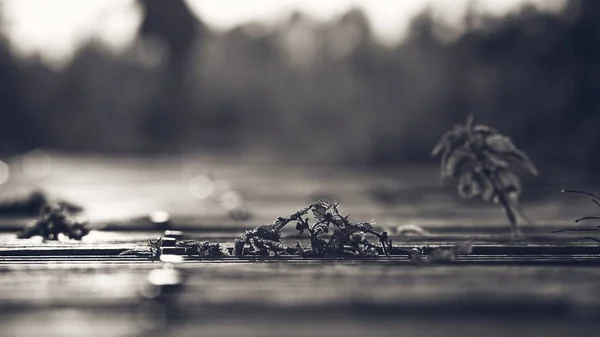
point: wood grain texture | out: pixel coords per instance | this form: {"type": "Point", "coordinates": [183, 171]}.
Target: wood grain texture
{"type": "Point", "coordinates": [545, 285]}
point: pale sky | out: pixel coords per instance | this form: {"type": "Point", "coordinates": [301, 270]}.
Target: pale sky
{"type": "Point", "coordinates": [54, 28]}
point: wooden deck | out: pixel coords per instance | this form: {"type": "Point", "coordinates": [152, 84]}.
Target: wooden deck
{"type": "Point", "coordinates": [88, 289]}
{"type": "Point", "coordinates": [544, 285]}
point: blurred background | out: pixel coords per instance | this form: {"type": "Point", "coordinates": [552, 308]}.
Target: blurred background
{"type": "Point", "coordinates": [164, 76]}
{"type": "Point", "coordinates": [359, 84]}
{"type": "Point", "coordinates": [214, 116]}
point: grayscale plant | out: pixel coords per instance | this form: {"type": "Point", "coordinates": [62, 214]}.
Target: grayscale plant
{"type": "Point", "coordinates": [331, 235]}
{"type": "Point", "coordinates": [54, 220]}
{"type": "Point", "coordinates": [347, 237]}
{"type": "Point", "coordinates": [266, 239]}
{"type": "Point", "coordinates": [480, 158]}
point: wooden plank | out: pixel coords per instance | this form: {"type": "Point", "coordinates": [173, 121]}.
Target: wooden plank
{"type": "Point", "coordinates": [545, 286]}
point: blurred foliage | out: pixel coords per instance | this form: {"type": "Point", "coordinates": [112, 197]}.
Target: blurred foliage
{"type": "Point", "coordinates": [327, 90]}
{"type": "Point", "coordinates": [55, 220]}
{"type": "Point", "coordinates": [480, 158]}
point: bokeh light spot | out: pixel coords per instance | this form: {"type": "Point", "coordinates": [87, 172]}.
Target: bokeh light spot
{"type": "Point", "coordinates": [159, 217]}
{"type": "Point", "coordinates": [201, 187]}
{"type": "Point", "coordinates": [4, 172]}
{"type": "Point", "coordinates": [231, 200]}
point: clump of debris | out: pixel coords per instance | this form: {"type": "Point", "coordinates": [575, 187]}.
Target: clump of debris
{"type": "Point", "coordinates": [204, 248]}
{"type": "Point", "coordinates": [347, 238]}
{"type": "Point", "coordinates": [54, 221]}
{"type": "Point", "coordinates": [266, 239]}
{"type": "Point", "coordinates": [171, 245]}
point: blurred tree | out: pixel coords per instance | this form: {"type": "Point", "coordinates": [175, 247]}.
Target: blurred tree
{"type": "Point", "coordinates": [531, 73]}
{"type": "Point", "coordinates": [172, 24]}
{"type": "Point", "coordinates": [584, 40]}
{"type": "Point", "coordinates": [14, 125]}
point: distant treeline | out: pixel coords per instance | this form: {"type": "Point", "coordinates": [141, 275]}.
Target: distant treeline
{"type": "Point", "coordinates": [327, 91]}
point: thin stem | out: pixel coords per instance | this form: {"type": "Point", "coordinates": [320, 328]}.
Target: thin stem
{"type": "Point", "coordinates": [577, 230]}
{"type": "Point", "coordinates": [587, 238]}
{"type": "Point", "coordinates": [383, 239]}
{"type": "Point", "coordinates": [519, 210]}
{"type": "Point", "coordinates": [506, 206]}
{"type": "Point", "coordinates": [508, 211]}
{"type": "Point", "coordinates": [588, 218]}
{"type": "Point", "coordinates": [282, 222]}
{"type": "Point", "coordinates": [582, 192]}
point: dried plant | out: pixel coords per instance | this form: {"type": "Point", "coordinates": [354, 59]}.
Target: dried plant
{"type": "Point", "coordinates": [480, 157]}
{"type": "Point", "coordinates": [347, 237]}
{"type": "Point", "coordinates": [53, 221]}
{"type": "Point", "coordinates": [266, 239]}
{"type": "Point", "coordinates": [204, 248]}
{"type": "Point", "coordinates": [155, 248]}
